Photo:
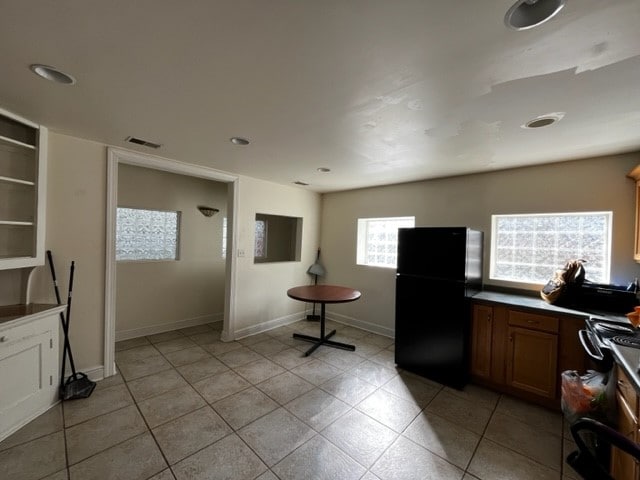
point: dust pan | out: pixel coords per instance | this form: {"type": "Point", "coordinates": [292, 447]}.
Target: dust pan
{"type": "Point", "coordinates": [78, 385]}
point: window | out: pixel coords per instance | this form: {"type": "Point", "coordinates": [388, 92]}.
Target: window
{"type": "Point", "coordinates": [146, 234]}
{"type": "Point", "coordinates": [378, 240]}
{"type": "Point", "coordinates": [278, 238]}
{"type": "Point", "coordinates": [260, 247]}
{"type": "Point", "coordinates": [224, 237]}
{"type": "Point", "coordinates": [529, 248]}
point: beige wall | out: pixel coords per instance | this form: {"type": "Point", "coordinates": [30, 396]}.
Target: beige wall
{"type": "Point", "coordinates": [76, 219]}
{"type": "Point", "coordinates": [586, 185]}
{"type": "Point", "coordinates": [262, 286]}
{"type": "Point", "coordinates": [155, 296]}
{"type": "Point", "coordinates": [76, 205]}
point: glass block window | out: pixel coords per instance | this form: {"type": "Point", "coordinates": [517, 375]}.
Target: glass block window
{"type": "Point", "coordinates": [146, 234]}
{"type": "Point", "coordinates": [260, 247]}
{"type": "Point", "coordinates": [378, 240]}
{"type": "Point", "coordinates": [224, 237]}
{"type": "Point", "coordinates": [530, 248]}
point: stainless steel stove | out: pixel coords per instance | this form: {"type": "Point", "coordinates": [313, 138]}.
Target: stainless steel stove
{"type": "Point", "coordinates": [599, 334]}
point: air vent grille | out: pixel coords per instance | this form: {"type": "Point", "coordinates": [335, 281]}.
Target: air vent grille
{"type": "Point", "coordinates": [144, 143]}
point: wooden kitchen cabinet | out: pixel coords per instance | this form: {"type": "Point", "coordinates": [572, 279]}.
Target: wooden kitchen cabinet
{"type": "Point", "coordinates": [482, 327]}
{"type": "Point", "coordinates": [532, 360]}
{"type": "Point", "coordinates": [635, 175]}
{"type": "Point", "coordinates": [624, 466]}
{"type": "Point", "coordinates": [523, 352]}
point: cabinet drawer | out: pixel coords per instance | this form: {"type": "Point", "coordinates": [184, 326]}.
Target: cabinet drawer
{"type": "Point", "coordinates": [626, 389]}
{"type": "Point", "coordinates": [533, 321]}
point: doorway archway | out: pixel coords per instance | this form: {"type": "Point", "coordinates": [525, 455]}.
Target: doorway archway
{"type": "Point", "coordinates": [118, 156]}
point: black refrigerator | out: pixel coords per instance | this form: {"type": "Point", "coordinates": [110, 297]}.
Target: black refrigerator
{"type": "Point", "coordinates": [439, 269]}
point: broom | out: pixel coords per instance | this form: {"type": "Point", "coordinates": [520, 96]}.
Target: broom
{"type": "Point", "coordinates": [78, 385]}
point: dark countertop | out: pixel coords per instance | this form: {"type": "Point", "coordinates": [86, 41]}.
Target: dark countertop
{"type": "Point", "coordinates": [536, 303]}
{"type": "Point", "coordinates": [11, 313]}
{"type": "Point", "coordinates": [627, 357]}
{"type": "Point", "coordinates": [527, 301]}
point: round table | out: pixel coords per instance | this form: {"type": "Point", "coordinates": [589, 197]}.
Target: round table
{"type": "Point", "coordinates": [323, 294]}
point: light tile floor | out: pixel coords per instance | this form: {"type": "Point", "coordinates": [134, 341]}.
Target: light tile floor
{"type": "Point", "coordinates": [188, 406]}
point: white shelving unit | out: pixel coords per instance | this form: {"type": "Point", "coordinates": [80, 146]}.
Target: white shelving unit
{"type": "Point", "coordinates": [22, 191]}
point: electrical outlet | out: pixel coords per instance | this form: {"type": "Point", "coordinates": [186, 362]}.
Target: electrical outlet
{"type": "Point", "coordinates": [240, 252]}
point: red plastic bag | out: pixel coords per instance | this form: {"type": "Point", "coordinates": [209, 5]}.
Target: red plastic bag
{"type": "Point", "coordinates": [588, 395]}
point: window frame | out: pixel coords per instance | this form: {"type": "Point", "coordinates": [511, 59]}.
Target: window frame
{"type": "Point", "coordinates": [146, 260]}
{"type": "Point", "coordinates": [362, 233]}
{"type": "Point", "coordinates": [511, 281]}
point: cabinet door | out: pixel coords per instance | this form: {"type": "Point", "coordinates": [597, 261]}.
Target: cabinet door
{"type": "Point", "coordinates": [532, 361]}
{"type": "Point", "coordinates": [481, 341]}
{"type": "Point", "coordinates": [623, 466]}
{"type": "Point", "coordinates": [28, 372]}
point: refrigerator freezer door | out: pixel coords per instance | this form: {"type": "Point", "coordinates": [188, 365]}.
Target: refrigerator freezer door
{"type": "Point", "coordinates": [432, 328]}
{"type": "Point", "coordinates": [433, 252]}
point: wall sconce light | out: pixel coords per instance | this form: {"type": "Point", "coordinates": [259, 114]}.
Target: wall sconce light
{"type": "Point", "coordinates": [207, 211]}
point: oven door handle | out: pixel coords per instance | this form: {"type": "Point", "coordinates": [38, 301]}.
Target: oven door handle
{"type": "Point", "coordinates": [588, 341]}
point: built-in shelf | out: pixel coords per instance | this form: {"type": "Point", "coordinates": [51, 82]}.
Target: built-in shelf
{"type": "Point", "coordinates": [16, 180]}
{"type": "Point", "coordinates": [22, 191]}
{"type": "Point", "coordinates": [11, 222]}
{"type": "Point", "coordinates": [17, 142]}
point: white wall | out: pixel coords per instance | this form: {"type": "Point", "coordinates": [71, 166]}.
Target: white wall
{"type": "Point", "coordinates": [586, 185]}
{"type": "Point", "coordinates": [155, 296]}
{"type": "Point", "coordinates": [76, 219]}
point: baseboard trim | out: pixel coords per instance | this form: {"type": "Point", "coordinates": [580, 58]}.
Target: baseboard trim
{"type": "Point", "coordinates": [26, 420]}
{"type": "Point", "coordinates": [268, 325]}
{"type": "Point", "coordinates": [166, 327]}
{"type": "Point", "coordinates": [354, 322]}
{"type": "Point", "coordinates": [289, 319]}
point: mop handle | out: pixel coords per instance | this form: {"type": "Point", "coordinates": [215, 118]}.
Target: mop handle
{"type": "Point", "coordinates": [53, 276]}
{"type": "Point", "coordinates": [73, 267]}
{"type": "Point", "coordinates": [67, 348]}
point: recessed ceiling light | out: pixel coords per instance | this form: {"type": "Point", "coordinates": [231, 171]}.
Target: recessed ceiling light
{"type": "Point", "coordinates": [239, 141]}
{"type": "Point", "coordinates": [298, 182]}
{"type": "Point", "coordinates": [544, 120]}
{"type": "Point", "coordinates": [52, 74]}
{"type": "Point", "coordinates": [526, 14]}
{"type": "Point", "coordinates": [324, 170]}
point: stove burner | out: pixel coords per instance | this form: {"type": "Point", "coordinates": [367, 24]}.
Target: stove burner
{"type": "Point", "coordinates": [627, 341]}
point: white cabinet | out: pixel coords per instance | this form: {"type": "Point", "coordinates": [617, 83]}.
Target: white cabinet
{"type": "Point", "coordinates": [29, 363]}
{"type": "Point", "coordinates": [22, 192]}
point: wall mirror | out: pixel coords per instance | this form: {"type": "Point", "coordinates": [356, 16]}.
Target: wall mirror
{"type": "Point", "coordinates": [277, 238]}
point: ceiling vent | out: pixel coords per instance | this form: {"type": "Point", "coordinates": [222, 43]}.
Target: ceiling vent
{"type": "Point", "coordinates": [144, 143]}
{"type": "Point", "coordinates": [304, 184]}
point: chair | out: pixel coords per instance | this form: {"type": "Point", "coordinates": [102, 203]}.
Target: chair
{"type": "Point", "coordinates": [592, 463]}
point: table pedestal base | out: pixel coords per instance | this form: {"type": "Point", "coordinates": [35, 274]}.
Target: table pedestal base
{"type": "Point", "coordinates": [317, 341]}
{"type": "Point", "coordinates": [322, 339]}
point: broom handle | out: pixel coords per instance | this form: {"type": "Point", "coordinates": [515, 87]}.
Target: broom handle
{"type": "Point", "coordinates": [73, 267]}
{"type": "Point", "coordinates": [65, 329]}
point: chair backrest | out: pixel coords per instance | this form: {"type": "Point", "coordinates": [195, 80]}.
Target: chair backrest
{"type": "Point", "coordinates": [594, 439]}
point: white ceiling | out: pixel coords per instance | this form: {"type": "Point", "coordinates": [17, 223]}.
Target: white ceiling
{"type": "Point", "coordinates": [379, 91]}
